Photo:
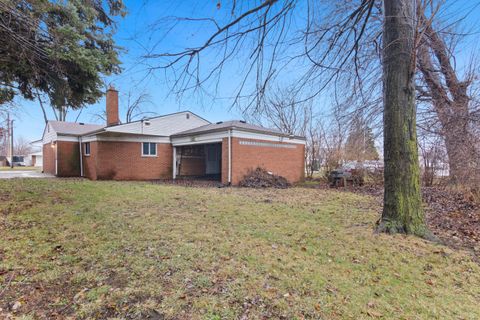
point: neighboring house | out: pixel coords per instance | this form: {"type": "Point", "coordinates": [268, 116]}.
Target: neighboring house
{"type": "Point", "coordinates": [35, 157]}
{"type": "Point", "coordinates": [178, 145]}
{"type": "Point", "coordinates": [18, 161]}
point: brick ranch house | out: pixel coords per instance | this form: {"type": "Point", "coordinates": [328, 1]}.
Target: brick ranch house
{"type": "Point", "coordinates": [178, 145]}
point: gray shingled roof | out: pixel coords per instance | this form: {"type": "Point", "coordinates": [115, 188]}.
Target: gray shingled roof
{"type": "Point", "coordinates": [235, 124]}
{"type": "Point", "coordinates": [74, 128]}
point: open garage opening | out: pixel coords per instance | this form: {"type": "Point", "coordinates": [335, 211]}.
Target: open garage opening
{"type": "Point", "coordinates": [199, 162]}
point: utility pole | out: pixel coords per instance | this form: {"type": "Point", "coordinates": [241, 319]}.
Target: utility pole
{"type": "Point", "coordinates": [7, 137]}
{"type": "Point", "coordinates": [11, 143]}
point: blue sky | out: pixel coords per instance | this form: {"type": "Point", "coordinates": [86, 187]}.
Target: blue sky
{"type": "Point", "coordinates": [134, 33]}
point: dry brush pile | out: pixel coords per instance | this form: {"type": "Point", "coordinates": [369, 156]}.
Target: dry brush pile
{"type": "Point", "coordinates": [261, 178]}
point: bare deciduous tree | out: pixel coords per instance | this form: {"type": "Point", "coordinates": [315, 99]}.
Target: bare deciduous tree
{"type": "Point", "coordinates": [315, 152]}
{"type": "Point", "coordinates": [449, 98]}
{"type": "Point", "coordinates": [282, 111]}
{"type": "Point", "coordinates": [133, 105]}
{"type": "Point", "coordinates": [432, 158]}
{"type": "Point", "coordinates": [266, 23]}
{"type": "Point", "coordinates": [21, 146]}
{"type": "Point", "coordinates": [333, 143]}
{"type": "Point", "coordinates": [402, 205]}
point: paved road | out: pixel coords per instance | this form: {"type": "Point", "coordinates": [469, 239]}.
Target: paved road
{"type": "Point", "coordinates": [23, 174]}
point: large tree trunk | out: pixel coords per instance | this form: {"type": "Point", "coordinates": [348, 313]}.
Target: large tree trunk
{"type": "Point", "coordinates": [402, 211]}
{"type": "Point", "coordinates": [461, 152]}
{"type": "Point", "coordinates": [450, 102]}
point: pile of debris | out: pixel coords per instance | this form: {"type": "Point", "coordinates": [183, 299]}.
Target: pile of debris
{"type": "Point", "coordinates": [261, 178]}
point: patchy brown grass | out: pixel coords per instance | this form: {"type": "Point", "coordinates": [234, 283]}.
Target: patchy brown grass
{"type": "Point", "coordinates": [81, 249]}
{"type": "Point", "coordinates": [20, 169]}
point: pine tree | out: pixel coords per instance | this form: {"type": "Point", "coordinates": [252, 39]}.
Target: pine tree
{"type": "Point", "coordinates": [360, 145]}
{"type": "Point", "coordinates": [58, 48]}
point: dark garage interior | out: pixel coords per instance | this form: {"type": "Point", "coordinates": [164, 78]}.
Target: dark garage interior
{"type": "Point", "coordinates": [199, 161]}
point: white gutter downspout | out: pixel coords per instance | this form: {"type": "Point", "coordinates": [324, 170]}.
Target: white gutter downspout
{"type": "Point", "coordinates": [56, 158]}
{"type": "Point", "coordinates": [81, 156]}
{"type": "Point", "coordinates": [174, 173]}
{"type": "Point", "coordinates": [230, 156]}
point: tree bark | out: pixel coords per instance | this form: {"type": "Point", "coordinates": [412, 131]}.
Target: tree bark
{"type": "Point", "coordinates": [450, 102]}
{"type": "Point", "coordinates": [402, 211]}
{"type": "Point", "coordinates": [461, 152]}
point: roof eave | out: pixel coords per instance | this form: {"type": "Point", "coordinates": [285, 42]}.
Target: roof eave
{"type": "Point", "coordinates": [101, 132]}
{"type": "Point", "coordinates": [93, 132]}
{"type": "Point", "coordinates": [279, 134]}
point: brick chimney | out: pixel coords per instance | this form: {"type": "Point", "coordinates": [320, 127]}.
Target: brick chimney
{"type": "Point", "coordinates": [112, 107]}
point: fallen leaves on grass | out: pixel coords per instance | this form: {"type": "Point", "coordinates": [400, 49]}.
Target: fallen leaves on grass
{"type": "Point", "coordinates": [374, 314]}
{"type": "Point", "coordinates": [295, 255]}
{"type": "Point", "coordinates": [451, 215]}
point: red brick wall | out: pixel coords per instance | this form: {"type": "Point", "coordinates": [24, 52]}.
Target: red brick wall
{"type": "Point", "coordinates": [286, 162]}
{"type": "Point", "coordinates": [124, 161]}
{"type": "Point", "coordinates": [68, 161]}
{"type": "Point", "coordinates": [67, 155]}
{"type": "Point", "coordinates": [112, 107]}
{"type": "Point", "coordinates": [89, 162]}
{"type": "Point", "coordinates": [224, 164]}
{"type": "Point", "coordinates": [192, 166]}
{"type": "Point", "coordinates": [48, 159]}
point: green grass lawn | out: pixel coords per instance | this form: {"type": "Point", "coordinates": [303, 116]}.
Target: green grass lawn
{"type": "Point", "coordinates": [82, 249]}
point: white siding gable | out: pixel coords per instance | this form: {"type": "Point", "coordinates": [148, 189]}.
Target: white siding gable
{"type": "Point", "coordinates": [49, 134]}
{"type": "Point", "coordinates": [162, 126]}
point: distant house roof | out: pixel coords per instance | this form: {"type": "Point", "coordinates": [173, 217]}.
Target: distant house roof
{"type": "Point", "coordinates": [73, 128]}
{"type": "Point", "coordinates": [234, 124]}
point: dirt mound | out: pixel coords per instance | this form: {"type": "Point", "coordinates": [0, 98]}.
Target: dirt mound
{"type": "Point", "coordinates": [261, 178]}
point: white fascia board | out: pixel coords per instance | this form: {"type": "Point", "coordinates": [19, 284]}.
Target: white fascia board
{"type": "Point", "coordinates": [213, 137]}
{"type": "Point", "coordinates": [126, 138]}
{"type": "Point", "coordinates": [263, 136]}
{"type": "Point", "coordinates": [66, 138]}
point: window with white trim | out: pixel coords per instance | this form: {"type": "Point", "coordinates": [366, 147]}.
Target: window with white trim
{"type": "Point", "coordinates": [149, 149]}
{"type": "Point", "coordinates": [86, 147]}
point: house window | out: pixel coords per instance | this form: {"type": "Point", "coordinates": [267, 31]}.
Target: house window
{"type": "Point", "coordinates": [87, 148]}
{"type": "Point", "coordinates": [149, 149]}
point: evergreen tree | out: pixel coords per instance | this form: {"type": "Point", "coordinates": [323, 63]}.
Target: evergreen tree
{"type": "Point", "coordinates": [58, 48]}
{"type": "Point", "coordinates": [360, 145]}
